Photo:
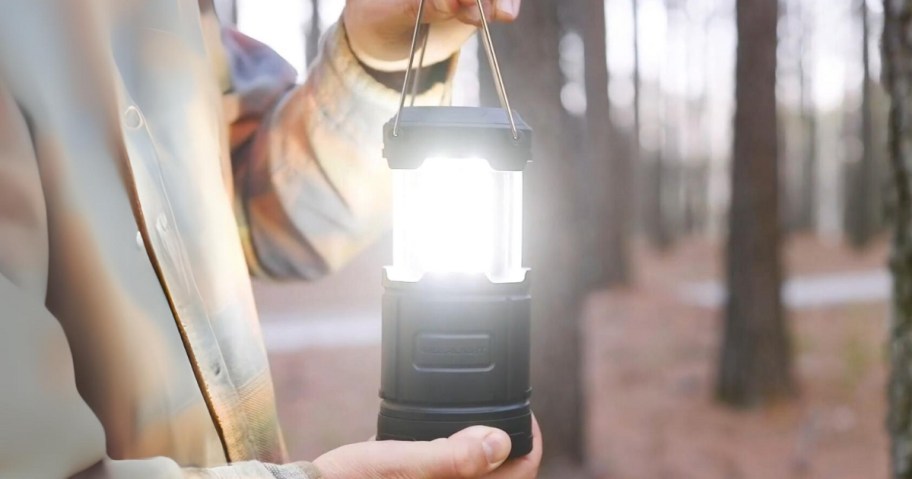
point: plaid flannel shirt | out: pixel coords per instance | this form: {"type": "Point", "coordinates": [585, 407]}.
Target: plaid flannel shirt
{"type": "Point", "coordinates": [130, 159]}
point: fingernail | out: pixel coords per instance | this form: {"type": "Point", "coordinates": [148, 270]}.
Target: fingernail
{"type": "Point", "coordinates": [496, 447]}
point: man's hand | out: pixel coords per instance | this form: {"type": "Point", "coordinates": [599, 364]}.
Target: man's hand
{"type": "Point", "coordinates": [380, 31]}
{"type": "Point", "coordinates": [475, 453]}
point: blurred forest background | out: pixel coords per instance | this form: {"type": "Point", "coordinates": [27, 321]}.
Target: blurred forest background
{"type": "Point", "coordinates": [709, 231]}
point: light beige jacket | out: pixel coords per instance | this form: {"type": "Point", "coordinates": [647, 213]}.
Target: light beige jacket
{"type": "Point", "coordinates": [129, 341]}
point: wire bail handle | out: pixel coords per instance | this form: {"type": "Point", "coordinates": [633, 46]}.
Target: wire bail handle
{"type": "Point", "coordinates": [423, 30]}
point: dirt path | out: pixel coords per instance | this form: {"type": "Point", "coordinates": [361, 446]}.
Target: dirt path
{"type": "Point", "coordinates": [650, 358]}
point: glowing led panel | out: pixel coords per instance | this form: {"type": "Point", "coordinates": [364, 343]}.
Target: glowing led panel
{"type": "Point", "coordinates": [457, 215]}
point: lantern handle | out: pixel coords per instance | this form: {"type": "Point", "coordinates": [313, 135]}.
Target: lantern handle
{"type": "Point", "coordinates": [423, 30]}
{"type": "Point", "coordinates": [495, 69]}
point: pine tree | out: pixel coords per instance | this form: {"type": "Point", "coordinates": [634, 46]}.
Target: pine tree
{"type": "Point", "coordinates": [755, 361]}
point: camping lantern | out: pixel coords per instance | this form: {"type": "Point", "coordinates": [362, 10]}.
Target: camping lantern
{"type": "Point", "coordinates": [457, 193]}
{"type": "Point", "coordinates": [456, 306]}
{"type": "Point", "coordinates": [456, 309]}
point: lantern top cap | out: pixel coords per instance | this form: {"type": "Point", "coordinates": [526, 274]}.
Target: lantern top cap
{"type": "Point", "coordinates": [457, 132]}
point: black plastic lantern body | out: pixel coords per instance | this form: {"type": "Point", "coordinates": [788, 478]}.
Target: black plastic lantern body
{"type": "Point", "coordinates": [456, 307]}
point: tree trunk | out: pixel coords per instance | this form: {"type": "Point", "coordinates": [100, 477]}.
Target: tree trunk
{"type": "Point", "coordinates": [635, 5]}
{"type": "Point", "coordinates": [655, 172]}
{"type": "Point", "coordinates": [656, 164]}
{"type": "Point", "coordinates": [529, 55]}
{"type": "Point", "coordinates": [897, 77]}
{"type": "Point", "coordinates": [226, 11]}
{"type": "Point", "coordinates": [807, 214]}
{"type": "Point", "coordinates": [609, 155]}
{"type": "Point", "coordinates": [312, 35]}
{"type": "Point", "coordinates": [863, 202]}
{"type": "Point", "coordinates": [755, 361]}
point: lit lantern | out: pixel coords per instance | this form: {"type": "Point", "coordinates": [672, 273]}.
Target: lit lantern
{"type": "Point", "coordinates": [456, 307]}
{"type": "Point", "coordinates": [457, 185]}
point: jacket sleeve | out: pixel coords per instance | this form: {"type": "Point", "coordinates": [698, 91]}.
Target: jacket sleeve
{"type": "Point", "coordinates": [311, 185]}
{"type": "Point", "coordinates": [46, 430]}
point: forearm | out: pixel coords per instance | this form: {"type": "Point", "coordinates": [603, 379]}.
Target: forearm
{"type": "Point", "coordinates": [315, 190]}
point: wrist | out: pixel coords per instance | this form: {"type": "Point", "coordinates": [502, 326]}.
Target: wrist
{"type": "Point", "coordinates": [430, 76]}
{"type": "Point", "coordinates": [381, 52]}
{"type": "Point", "coordinates": [392, 73]}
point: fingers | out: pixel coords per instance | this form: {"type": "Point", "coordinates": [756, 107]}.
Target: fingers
{"type": "Point", "coordinates": [468, 454]}
{"type": "Point", "coordinates": [525, 466]}
{"type": "Point", "coordinates": [466, 11]}
{"type": "Point", "coordinates": [474, 451]}
{"type": "Point", "coordinates": [444, 8]}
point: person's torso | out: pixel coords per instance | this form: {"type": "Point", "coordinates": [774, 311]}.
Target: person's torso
{"type": "Point", "coordinates": [123, 108]}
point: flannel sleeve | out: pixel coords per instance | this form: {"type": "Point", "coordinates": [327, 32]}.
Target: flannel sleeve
{"type": "Point", "coordinates": [311, 186]}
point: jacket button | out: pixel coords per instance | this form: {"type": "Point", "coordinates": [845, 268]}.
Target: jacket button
{"type": "Point", "coordinates": [132, 118]}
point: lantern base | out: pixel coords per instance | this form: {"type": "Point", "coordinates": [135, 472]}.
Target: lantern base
{"type": "Point", "coordinates": [415, 423]}
{"type": "Point", "coordinates": [455, 354]}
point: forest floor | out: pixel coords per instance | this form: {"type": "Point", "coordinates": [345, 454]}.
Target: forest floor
{"type": "Point", "coordinates": [650, 359]}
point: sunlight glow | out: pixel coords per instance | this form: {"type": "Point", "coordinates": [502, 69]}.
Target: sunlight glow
{"type": "Point", "coordinates": [277, 23]}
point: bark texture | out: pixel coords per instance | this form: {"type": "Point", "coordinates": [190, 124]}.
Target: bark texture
{"type": "Point", "coordinates": [897, 77]}
{"type": "Point", "coordinates": [863, 203]}
{"type": "Point", "coordinates": [609, 155]}
{"type": "Point", "coordinates": [755, 361]}
{"type": "Point", "coordinates": [529, 56]}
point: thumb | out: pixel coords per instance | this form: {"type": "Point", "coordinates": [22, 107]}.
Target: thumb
{"type": "Point", "coordinates": [468, 454]}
